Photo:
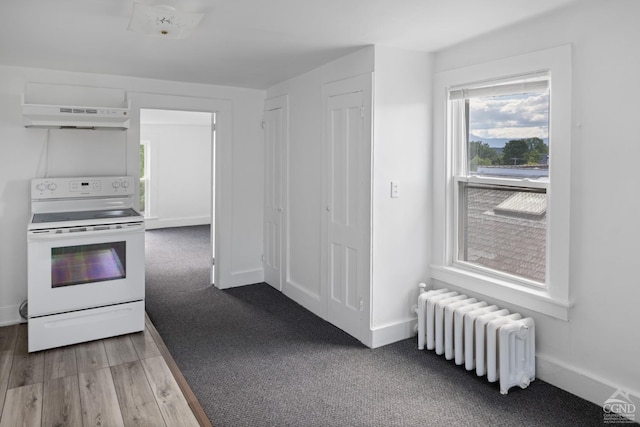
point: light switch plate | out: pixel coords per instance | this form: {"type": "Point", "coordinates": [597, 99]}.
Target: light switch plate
{"type": "Point", "coordinates": [395, 186]}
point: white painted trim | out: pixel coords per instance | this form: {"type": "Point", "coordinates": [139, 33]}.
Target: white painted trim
{"type": "Point", "coordinates": [576, 381]}
{"type": "Point", "coordinates": [174, 125]}
{"type": "Point", "coordinates": [493, 288]}
{"type": "Point", "coordinates": [389, 334]}
{"type": "Point", "coordinates": [153, 223]}
{"type": "Point", "coordinates": [242, 278]}
{"type": "Point", "coordinates": [281, 101]}
{"type": "Point", "coordinates": [304, 297]}
{"type": "Point", "coordinates": [9, 315]}
{"type": "Point", "coordinates": [223, 108]}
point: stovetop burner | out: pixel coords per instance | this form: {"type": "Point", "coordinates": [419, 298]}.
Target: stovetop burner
{"type": "Point", "coordinates": [46, 217]}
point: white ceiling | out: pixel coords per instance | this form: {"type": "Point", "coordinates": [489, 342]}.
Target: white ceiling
{"type": "Point", "coordinates": [245, 43]}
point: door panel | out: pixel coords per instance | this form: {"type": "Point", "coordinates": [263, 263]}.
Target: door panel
{"type": "Point", "coordinates": [346, 245]}
{"type": "Point", "coordinates": [273, 215]}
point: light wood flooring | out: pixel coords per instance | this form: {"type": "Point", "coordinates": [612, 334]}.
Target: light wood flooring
{"type": "Point", "coordinates": [130, 380]}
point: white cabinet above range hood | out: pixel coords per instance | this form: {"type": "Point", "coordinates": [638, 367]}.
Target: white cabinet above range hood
{"type": "Point", "coordinates": [58, 106]}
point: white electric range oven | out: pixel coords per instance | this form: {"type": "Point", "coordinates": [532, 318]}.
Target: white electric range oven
{"type": "Point", "coordinates": [85, 245]}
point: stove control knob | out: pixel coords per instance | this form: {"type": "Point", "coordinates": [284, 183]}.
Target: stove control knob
{"type": "Point", "coordinates": [115, 184]}
{"type": "Point", "coordinates": [52, 186]}
{"type": "Point", "coordinates": [41, 186]}
{"type": "Point", "coordinates": [125, 184]}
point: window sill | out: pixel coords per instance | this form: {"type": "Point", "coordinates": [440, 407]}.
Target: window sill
{"type": "Point", "coordinates": [538, 300]}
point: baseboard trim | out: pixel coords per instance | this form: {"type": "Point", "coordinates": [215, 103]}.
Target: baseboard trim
{"type": "Point", "coordinates": [388, 334]}
{"type": "Point", "coordinates": [575, 381]}
{"type": "Point", "coordinates": [9, 315]}
{"type": "Point", "coordinates": [303, 296]}
{"type": "Point", "coordinates": [153, 223]}
{"type": "Point", "coordinates": [248, 277]}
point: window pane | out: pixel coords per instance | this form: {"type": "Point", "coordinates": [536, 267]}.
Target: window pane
{"type": "Point", "coordinates": [508, 135]}
{"type": "Point", "coordinates": [504, 229]}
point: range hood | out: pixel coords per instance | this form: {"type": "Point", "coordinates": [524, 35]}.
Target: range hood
{"type": "Point", "coordinates": [73, 116]}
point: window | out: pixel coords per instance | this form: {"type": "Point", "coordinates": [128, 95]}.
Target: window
{"type": "Point", "coordinates": [501, 149]}
{"type": "Point", "coordinates": [501, 180]}
{"type": "Point", "coordinates": [144, 177]}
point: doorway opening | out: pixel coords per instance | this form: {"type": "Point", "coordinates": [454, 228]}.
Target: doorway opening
{"type": "Point", "coordinates": [177, 172]}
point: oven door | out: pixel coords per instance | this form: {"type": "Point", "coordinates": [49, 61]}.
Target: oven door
{"type": "Point", "coordinates": [86, 269]}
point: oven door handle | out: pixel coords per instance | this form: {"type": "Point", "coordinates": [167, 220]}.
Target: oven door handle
{"type": "Point", "coordinates": [34, 235]}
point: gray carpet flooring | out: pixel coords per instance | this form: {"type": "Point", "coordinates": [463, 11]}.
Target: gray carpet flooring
{"type": "Point", "coordinates": [255, 358]}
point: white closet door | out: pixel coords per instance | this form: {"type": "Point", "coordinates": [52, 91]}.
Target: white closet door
{"type": "Point", "coordinates": [346, 249]}
{"type": "Point", "coordinates": [273, 215]}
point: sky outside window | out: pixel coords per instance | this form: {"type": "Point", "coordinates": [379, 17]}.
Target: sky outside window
{"type": "Point", "coordinates": [498, 119]}
{"type": "Point", "coordinates": [509, 130]}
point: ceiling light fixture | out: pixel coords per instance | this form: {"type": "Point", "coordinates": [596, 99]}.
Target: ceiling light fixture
{"type": "Point", "coordinates": [163, 21]}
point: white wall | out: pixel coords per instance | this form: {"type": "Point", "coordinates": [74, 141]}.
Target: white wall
{"type": "Point", "coordinates": [598, 349]}
{"type": "Point", "coordinates": [20, 151]}
{"type": "Point", "coordinates": [402, 126]}
{"type": "Point", "coordinates": [180, 174]}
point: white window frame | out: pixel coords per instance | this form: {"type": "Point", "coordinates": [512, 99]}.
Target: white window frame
{"type": "Point", "coordinates": [552, 298]}
{"type": "Point", "coordinates": [457, 135]}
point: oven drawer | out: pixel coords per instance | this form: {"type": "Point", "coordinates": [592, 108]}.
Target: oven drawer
{"type": "Point", "coordinates": [85, 325]}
